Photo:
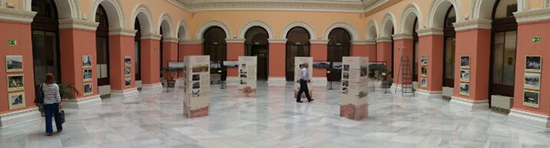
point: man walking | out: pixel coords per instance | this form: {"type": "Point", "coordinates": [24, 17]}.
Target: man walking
{"type": "Point", "coordinates": [304, 79]}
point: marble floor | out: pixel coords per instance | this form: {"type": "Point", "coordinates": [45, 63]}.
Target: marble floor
{"type": "Point", "coordinates": [275, 120]}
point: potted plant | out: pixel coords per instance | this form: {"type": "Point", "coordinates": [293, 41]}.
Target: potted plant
{"type": "Point", "coordinates": [170, 76]}
{"type": "Point", "coordinates": [386, 81]}
{"type": "Point", "coordinates": [68, 91]}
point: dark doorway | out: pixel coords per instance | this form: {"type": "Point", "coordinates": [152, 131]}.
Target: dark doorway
{"type": "Point", "coordinates": [45, 41]}
{"type": "Point", "coordinates": [102, 47]}
{"type": "Point", "coordinates": [504, 48]}
{"type": "Point", "coordinates": [161, 52]}
{"type": "Point", "coordinates": [137, 49]}
{"type": "Point", "coordinates": [339, 42]}
{"type": "Point", "coordinates": [449, 46]}
{"type": "Point", "coordinates": [297, 45]}
{"type": "Point", "coordinates": [415, 50]}
{"type": "Point", "coordinates": [257, 45]}
{"type": "Point", "coordinates": [215, 46]}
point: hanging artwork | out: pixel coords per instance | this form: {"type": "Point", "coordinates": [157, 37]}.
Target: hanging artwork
{"type": "Point", "coordinates": [532, 81]}
{"type": "Point", "coordinates": [16, 82]}
{"type": "Point", "coordinates": [128, 81]}
{"type": "Point", "coordinates": [424, 82]}
{"type": "Point", "coordinates": [465, 89]}
{"type": "Point", "coordinates": [88, 88]}
{"type": "Point", "coordinates": [87, 75]}
{"type": "Point", "coordinates": [14, 63]}
{"type": "Point", "coordinates": [464, 75]}
{"type": "Point", "coordinates": [531, 98]}
{"type": "Point", "coordinates": [533, 63]}
{"type": "Point", "coordinates": [424, 60]}
{"type": "Point", "coordinates": [465, 62]}
{"type": "Point", "coordinates": [16, 100]}
{"type": "Point", "coordinates": [87, 61]}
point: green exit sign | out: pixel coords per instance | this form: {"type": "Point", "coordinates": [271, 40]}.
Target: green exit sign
{"type": "Point", "coordinates": [536, 39]}
{"type": "Point", "coordinates": [12, 42]}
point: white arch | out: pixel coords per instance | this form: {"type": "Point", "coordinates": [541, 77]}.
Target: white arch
{"type": "Point", "coordinates": [483, 9]}
{"type": "Point", "coordinates": [312, 34]}
{"type": "Point", "coordinates": [372, 30]}
{"type": "Point", "coordinates": [389, 19]}
{"type": "Point", "coordinates": [165, 21]}
{"type": "Point", "coordinates": [205, 26]}
{"type": "Point", "coordinates": [115, 14]}
{"type": "Point", "coordinates": [411, 12]}
{"type": "Point", "coordinates": [183, 33]}
{"type": "Point", "coordinates": [438, 10]}
{"type": "Point", "coordinates": [145, 20]}
{"type": "Point", "coordinates": [245, 28]}
{"type": "Point", "coordinates": [65, 8]}
{"type": "Point", "coordinates": [351, 30]}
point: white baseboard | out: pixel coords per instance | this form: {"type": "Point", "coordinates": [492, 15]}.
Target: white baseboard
{"type": "Point", "coordinates": [532, 119]}
{"type": "Point", "coordinates": [138, 84]}
{"type": "Point", "coordinates": [462, 103]}
{"type": "Point", "coordinates": [429, 94]}
{"type": "Point", "coordinates": [19, 117]}
{"type": "Point", "coordinates": [276, 81]}
{"type": "Point", "coordinates": [82, 102]}
{"type": "Point", "coordinates": [319, 81]}
{"type": "Point", "coordinates": [152, 87]}
{"type": "Point", "coordinates": [127, 93]}
{"type": "Point", "coordinates": [448, 92]}
{"type": "Point", "coordinates": [104, 90]}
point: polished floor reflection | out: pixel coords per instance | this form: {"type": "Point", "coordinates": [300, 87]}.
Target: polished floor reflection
{"type": "Point", "coordinates": [275, 120]}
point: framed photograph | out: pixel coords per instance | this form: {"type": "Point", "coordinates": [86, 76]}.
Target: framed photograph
{"type": "Point", "coordinates": [87, 75]}
{"type": "Point", "coordinates": [533, 63]}
{"type": "Point", "coordinates": [531, 98]}
{"type": "Point", "coordinates": [345, 90]}
{"type": "Point", "coordinates": [231, 64]}
{"type": "Point", "coordinates": [532, 81]}
{"type": "Point", "coordinates": [16, 82]}
{"type": "Point", "coordinates": [424, 60]}
{"type": "Point", "coordinates": [465, 62]}
{"type": "Point", "coordinates": [464, 75]}
{"type": "Point", "coordinates": [14, 63]}
{"type": "Point", "coordinates": [465, 89]}
{"type": "Point", "coordinates": [345, 75]}
{"type": "Point", "coordinates": [196, 92]}
{"type": "Point", "coordinates": [424, 82]}
{"type": "Point", "coordinates": [128, 61]}
{"type": "Point", "coordinates": [87, 61]}
{"type": "Point", "coordinates": [197, 85]}
{"type": "Point", "coordinates": [346, 67]}
{"type": "Point", "coordinates": [128, 81]}
{"type": "Point", "coordinates": [321, 65]}
{"type": "Point", "coordinates": [196, 77]}
{"type": "Point", "coordinates": [16, 100]}
{"type": "Point", "coordinates": [128, 70]}
{"type": "Point", "coordinates": [424, 71]}
{"type": "Point", "coordinates": [88, 88]}
{"type": "Point", "coordinates": [337, 65]}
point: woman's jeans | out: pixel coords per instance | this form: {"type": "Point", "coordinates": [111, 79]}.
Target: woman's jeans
{"type": "Point", "coordinates": [49, 111]}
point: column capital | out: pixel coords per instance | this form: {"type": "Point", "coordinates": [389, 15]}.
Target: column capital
{"type": "Point", "coordinates": [170, 40]}
{"type": "Point", "coordinates": [235, 41]}
{"type": "Point", "coordinates": [72, 23]}
{"type": "Point", "coordinates": [363, 42]}
{"type": "Point", "coordinates": [187, 42]}
{"type": "Point", "coordinates": [529, 16]}
{"type": "Point", "coordinates": [277, 40]}
{"type": "Point", "coordinates": [151, 36]}
{"type": "Point", "coordinates": [473, 24]}
{"type": "Point", "coordinates": [13, 15]}
{"type": "Point", "coordinates": [122, 32]}
{"type": "Point", "coordinates": [403, 36]}
{"type": "Point", "coordinates": [383, 40]}
{"type": "Point", "coordinates": [318, 41]}
{"type": "Point", "coordinates": [429, 31]}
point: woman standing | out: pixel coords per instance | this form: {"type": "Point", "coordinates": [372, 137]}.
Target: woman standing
{"type": "Point", "coordinates": [52, 100]}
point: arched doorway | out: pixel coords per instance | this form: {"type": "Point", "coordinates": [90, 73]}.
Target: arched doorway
{"type": "Point", "coordinates": [102, 47]}
{"type": "Point", "coordinates": [449, 45]}
{"type": "Point", "coordinates": [297, 45]}
{"type": "Point", "coordinates": [504, 47]}
{"type": "Point", "coordinates": [339, 42]}
{"type": "Point", "coordinates": [216, 46]}
{"type": "Point", "coordinates": [161, 53]}
{"type": "Point", "coordinates": [45, 41]}
{"type": "Point", "coordinates": [415, 49]}
{"type": "Point", "coordinates": [137, 49]}
{"type": "Point", "coordinates": [257, 45]}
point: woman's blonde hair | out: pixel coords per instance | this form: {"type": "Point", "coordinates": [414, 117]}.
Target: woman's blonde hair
{"type": "Point", "coordinates": [50, 79]}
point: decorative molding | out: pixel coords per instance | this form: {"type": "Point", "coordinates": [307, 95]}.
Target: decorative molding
{"type": "Point", "coordinates": [411, 11]}
{"type": "Point", "coordinates": [122, 32]}
{"type": "Point", "coordinates": [170, 40]}
{"type": "Point", "coordinates": [189, 42]}
{"type": "Point", "coordinates": [344, 25]}
{"type": "Point", "coordinates": [19, 117]}
{"type": "Point", "coordinates": [71, 23]}
{"type": "Point", "coordinates": [363, 42]}
{"type": "Point", "coordinates": [319, 42]}
{"type": "Point", "coordinates": [205, 26]}
{"type": "Point", "coordinates": [279, 41]}
{"type": "Point", "coordinates": [127, 93]}
{"type": "Point", "coordinates": [167, 31]}
{"type": "Point", "coordinates": [309, 29]}
{"type": "Point", "coordinates": [383, 39]}
{"type": "Point", "coordinates": [438, 12]}
{"type": "Point", "coordinates": [402, 36]}
{"type": "Point", "coordinates": [151, 36]}
{"type": "Point", "coordinates": [235, 41]}
{"type": "Point", "coordinates": [82, 102]}
{"type": "Point", "coordinates": [527, 118]}
{"type": "Point", "coordinates": [429, 31]}
{"type": "Point", "coordinates": [326, 6]}
{"type": "Point", "coordinates": [469, 104]}
{"type": "Point", "coordinates": [114, 11]}
{"type": "Point", "coordinates": [245, 28]}
{"type": "Point", "coordinates": [429, 94]}
{"type": "Point", "coordinates": [531, 16]}
{"type": "Point", "coordinates": [473, 24]}
{"type": "Point", "coordinates": [13, 15]}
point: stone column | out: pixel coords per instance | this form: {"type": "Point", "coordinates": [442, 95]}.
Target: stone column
{"type": "Point", "coordinates": [403, 49]}
{"type": "Point", "coordinates": [383, 53]}
{"type": "Point", "coordinates": [150, 73]}
{"type": "Point", "coordinates": [170, 51]}
{"type": "Point", "coordinates": [364, 48]}
{"type": "Point", "coordinates": [430, 44]}
{"type": "Point", "coordinates": [473, 40]}
{"type": "Point", "coordinates": [121, 45]}
{"type": "Point", "coordinates": [277, 62]}
{"type": "Point", "coordinates": [319, 53]}
{"type": "Point", "coordinates": [235, 48]}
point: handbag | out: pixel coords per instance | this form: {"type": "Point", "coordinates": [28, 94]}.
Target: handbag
{"type": "Point", "coordinates": [39, 95]}
{"type": "Point", "coordinates": [62, 116]}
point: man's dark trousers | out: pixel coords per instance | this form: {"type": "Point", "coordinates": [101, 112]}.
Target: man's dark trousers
{"type": "Point", "coordinates": [303, 88]}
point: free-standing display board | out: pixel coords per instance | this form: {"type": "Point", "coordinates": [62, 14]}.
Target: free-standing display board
{"type": "Point", "coordinates": [298, 73]}
{"type": "Point", "coordinates": [355, 79]}
{"type": "Point", "coordinates": [247, 75]}
{"type": "Point", "coordinates": [197, 86]}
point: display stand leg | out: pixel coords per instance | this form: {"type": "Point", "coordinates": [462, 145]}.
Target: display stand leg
{"type": "Point", "coordinates": [222, 84]}
{"type": "Point", "coordinates": [329, 85]}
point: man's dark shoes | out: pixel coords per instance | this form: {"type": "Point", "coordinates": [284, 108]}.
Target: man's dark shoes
{"type": "Point", "coordinates": [310, 100]}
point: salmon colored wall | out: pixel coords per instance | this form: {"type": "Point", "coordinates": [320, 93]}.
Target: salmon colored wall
{"type": "Point", "coordinates": [364, 51]}
{"type": "Point", "coordinates": [402, 48]}
{"type": "Point", "coordinates": [384, 53]}
{"type": "Point", "coordinates": [319, 53]}
{"type": "Point", "coordinates": [150, 60]}
{"type": "Point", "coordinates": [22, 33]}
{"type": "Point", "coordinates": [75, 44]}
{"type": "Point", "coordinates": [477, 45]}
{"type": "Point", "coordinates": [234, 50]}
{"type": "Point", "coordinates": [170, 53]}
{"type": "Point", "coordinates": [119, 47]}
{"type": "Point", "coordinates": [432, 47]}
{"type": "Point", "coordinates": [277, 55]}
{"type": "Point", "coordinates": [187, 50]}
{"type": "Point", "coordinates": [526, 47]}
